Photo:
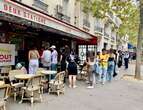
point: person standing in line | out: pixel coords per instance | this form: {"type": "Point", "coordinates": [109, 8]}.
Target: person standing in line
{"type": "Point", "coordinates": [104, 64]}
{"type": "Point", "coordinates": [33, 57]}
{"type": "Point", "coordinates": [54, 58]}
{"type": "Point", "coordinates": [40, 53]}
{"type": "Point", "coordinates": [111, 65]}
{"type": "Point", "coordinates": [72, 69]}
{"type": "Point", "coordinates": [97, 67]}
{"type": "Point", "coordinates": [92, 74]}
{"type": "Point", "coordinates": [63, 58]}
{"type": "Point", "coordinates": [126, 59]}
{"type": "Point", "coordinates": [120, 59]}
{"type": "Point", "coordinates": [46, 58]}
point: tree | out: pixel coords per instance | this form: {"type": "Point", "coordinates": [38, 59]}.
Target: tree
{"type": "Point", "coordinates": [132, 21]}
{"type": "Point", "coordinates": [124, 9]}
{"type": "Point", "coordinates": [139, 43]}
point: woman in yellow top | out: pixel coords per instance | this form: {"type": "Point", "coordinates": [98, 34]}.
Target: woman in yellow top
{"type": "Point", "coordinates": [103, 59]}
{"type": "Point", "coordinates": [33, 57]}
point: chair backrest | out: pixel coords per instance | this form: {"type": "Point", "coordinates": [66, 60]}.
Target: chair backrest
{"type": "Point", "coordinates": [60, 76]}
{"type": "Point", "coordinates": [36, 80]}
{"type": "Point", "coordinates": [5, 69]}
{"type": "Point", "coordinates": [12, 74]}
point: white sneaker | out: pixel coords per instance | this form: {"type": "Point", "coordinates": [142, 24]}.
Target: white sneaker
{"type": "Point", "coordinates": [87, 82]}
{"type": "Point", "coordinates": [70, 86]}
{"type": "Point", "coordinates": [74, 86]}
{"type": "Point", "coordinates": [103, 83]}
{"type": "Point", "coordinates": [90, 87]}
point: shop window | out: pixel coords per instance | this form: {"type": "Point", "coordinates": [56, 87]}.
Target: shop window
{"type": "Point", "coordinates": [83, 51]}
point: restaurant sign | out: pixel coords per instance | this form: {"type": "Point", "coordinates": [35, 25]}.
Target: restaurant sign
{"type": "Point", "coordinates": [15, 9]}
{"type": "Point", "coordinates": [7, 54]}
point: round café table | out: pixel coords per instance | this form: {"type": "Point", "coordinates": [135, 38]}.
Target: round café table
{"type": "Point", "coordinates": [48, 72]}
{"type": "Point", "coordinates": [24, 76]}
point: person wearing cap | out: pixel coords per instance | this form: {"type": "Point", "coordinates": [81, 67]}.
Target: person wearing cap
{"type": "Point", "coordinates": [46, 58]}
{"type": "Point", "coordinates": [20, 66]}
{"type": "Point", "coordinates": [54, 58]}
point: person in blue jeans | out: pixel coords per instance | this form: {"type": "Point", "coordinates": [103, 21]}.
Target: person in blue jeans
{"type": "Point", "coordinates": [111, 65]}
{"type": "Point", "coordinates": [103, 59]}
{"type": "Point", "coordinates": [54, 60]}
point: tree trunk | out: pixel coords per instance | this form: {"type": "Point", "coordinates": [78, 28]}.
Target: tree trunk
{"type": "Point", "coordinates": [139, 44]}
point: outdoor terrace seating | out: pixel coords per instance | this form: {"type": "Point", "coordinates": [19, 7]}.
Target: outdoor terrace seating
{"type": "Point", "coordinates": [57, 85]}
{"type": "Point", "coordinates": [14, 83]}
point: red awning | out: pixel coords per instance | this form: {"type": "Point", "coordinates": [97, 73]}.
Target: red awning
{"type": "Point", "coordinates": [92, 41]}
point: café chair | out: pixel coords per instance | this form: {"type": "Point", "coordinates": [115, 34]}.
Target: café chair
{"type": "Point", "coordinates": [3, 96]}
{"type": "Point", "coordinates": [82, 73]}
{"type": "Point", "coordinates": [57, 84]}
{"type": "Point", "coordinates": [15, 84]}
{"type": "Point", "coordinates": [4, 72]}
{"type": "Point", "coordinates": [32, 90]}
{"type": "Point", "coordinates": [44, 80]}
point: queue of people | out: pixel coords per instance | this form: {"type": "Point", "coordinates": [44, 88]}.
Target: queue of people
{"type": "Point", "coordinates": [101, 67]}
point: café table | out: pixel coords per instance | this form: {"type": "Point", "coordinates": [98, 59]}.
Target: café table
{"type": "Point", "coordinates": [48, 72]}
{"type": "Point", "coordinates": [24, 77]}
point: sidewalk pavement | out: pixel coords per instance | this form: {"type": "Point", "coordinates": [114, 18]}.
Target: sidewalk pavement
{"type": "Point", "coordinates": [117, 95]}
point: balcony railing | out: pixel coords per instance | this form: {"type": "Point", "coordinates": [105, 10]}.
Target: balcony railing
{"type": "Point", "coordinates": [86, 23]}
{"type": "Point", "coordinates": [66, 18]}
{"type": "Point", "coordinates": [114, 19]}
{"type": "Point", "coordinates": [98, 29]}
{"type": "Point", "coordinates": [111, 15]}
{"type": "Point", "coordinates": [41, 5]}
{"type": "Point", "coordinates": [113, 37]}
{"type": "Point", "coordinates": [60, 15]}
{"type": "Point", "coordinates": [63, 17]}
{"type": "Point", "coordinates": [106, 34]}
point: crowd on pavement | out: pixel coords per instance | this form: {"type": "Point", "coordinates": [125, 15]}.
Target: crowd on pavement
{"type": "Point", "coordinates": [101, 66]}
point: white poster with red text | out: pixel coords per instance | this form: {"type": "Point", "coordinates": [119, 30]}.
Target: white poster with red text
{"type": "Point", "coordinates": [7, 54]}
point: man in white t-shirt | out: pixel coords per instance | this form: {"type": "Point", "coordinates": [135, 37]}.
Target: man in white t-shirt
{"type": "Point", "coordinates": [46, 58]}
{"type": "Point", "coordinates": [54, 58]}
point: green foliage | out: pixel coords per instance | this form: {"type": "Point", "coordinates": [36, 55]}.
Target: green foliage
{"type": "Point", "coordinates": [124, 9]}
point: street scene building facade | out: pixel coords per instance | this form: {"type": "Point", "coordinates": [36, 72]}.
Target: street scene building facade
{"type": "Point", "coordinates": [58, 22]}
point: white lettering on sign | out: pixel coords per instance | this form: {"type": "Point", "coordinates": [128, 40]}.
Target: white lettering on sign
{"type": "Point", "coordinates": [24, 13]}
{"type": "Point", "coordinates": [21, 11]}
{"type": "Point", "coordinates": [7, 54]}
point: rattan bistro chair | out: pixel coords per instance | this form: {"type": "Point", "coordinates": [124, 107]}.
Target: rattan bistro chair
{"type": "Point", "coordinates": [57, 85]}
{"type": "Point", "coordinates": [4, 72]}
{"type": "Point", "coordinates": [32, 90]}
{"type": "Point", "coordinates": [15, 85]}
{"type": "Point", "coordinates": [3, 96]}
{"type": "Point", "coordinates": [44, 79]}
